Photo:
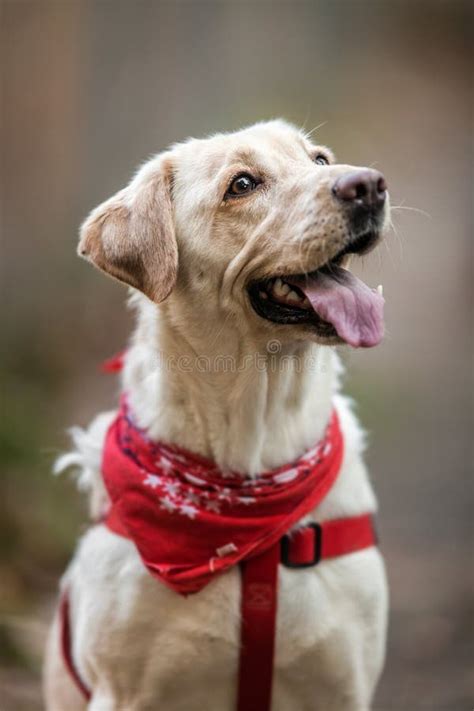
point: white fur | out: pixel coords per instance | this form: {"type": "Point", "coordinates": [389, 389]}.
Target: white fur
{"type": "Point", "coordinates": [140, 646]}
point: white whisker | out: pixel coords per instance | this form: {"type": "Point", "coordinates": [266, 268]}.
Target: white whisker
{"type": "Point", "coordinates": [412, 209]}
{"type": "Point", "coordinates": [399, 240]}
{"type": "Point", "coordinates": [310, 133]}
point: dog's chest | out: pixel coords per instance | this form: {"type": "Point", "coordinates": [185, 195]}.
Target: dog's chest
{"type": "Point", "coordinates": [174, 648]}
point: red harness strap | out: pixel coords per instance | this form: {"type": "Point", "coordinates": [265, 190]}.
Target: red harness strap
{"type": "Point", "coordinates": [66, 646]}
{"type": "Point", "coordinates": [302, 548]}
{"type": "Point", "coordinates": [257, 631]}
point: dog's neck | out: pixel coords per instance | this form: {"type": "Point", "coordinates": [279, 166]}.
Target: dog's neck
{"type": "Point", "coordinates": [208, 390]}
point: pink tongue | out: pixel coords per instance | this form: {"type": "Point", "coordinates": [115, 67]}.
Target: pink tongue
{"type": "Point", "coordinates": [350, 306]}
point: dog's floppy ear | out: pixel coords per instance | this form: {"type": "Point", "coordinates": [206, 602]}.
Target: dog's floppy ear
{"type": "Point", "coordinates": [131, 236]}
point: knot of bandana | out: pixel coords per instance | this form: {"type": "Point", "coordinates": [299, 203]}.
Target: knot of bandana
{"type": "Point", "coordinates": [189, 520]}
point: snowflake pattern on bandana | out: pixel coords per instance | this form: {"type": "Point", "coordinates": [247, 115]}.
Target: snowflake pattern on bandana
{"type": "Point", "coordinates": [191, 521]}
{"type": "Point", "coordinates": [186, 484]}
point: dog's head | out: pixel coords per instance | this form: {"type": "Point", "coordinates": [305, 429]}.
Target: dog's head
{"type": "Point", "coordinates": [259, 224]}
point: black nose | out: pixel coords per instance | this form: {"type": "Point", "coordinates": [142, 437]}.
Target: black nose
{"type": "Point", "coordinates": [365, 188]}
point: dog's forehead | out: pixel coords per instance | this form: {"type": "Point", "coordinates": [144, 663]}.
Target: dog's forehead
{"type": "Point", "coordinates": [268, 144]}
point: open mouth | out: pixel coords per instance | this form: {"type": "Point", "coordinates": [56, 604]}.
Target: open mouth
{"type": "Point", "coordinates": [335, 303]}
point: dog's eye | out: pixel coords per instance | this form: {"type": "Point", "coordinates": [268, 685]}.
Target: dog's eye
{"type": "Point", "coordinates": [321, 160]}
{"type": "Point", "coordinates": [241, 185]}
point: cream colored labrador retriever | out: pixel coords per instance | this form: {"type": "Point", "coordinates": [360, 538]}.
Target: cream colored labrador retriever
{"type": "Point", "coordinates": [242, 239]}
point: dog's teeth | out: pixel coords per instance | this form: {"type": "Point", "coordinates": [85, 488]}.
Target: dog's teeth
{"type": "Point", "coordinates": [380, 289]}
{"type": "Point", "coordinates": [279, 288]}
{"type": "Point", "coordinates": [263, 295]}
{"type": "Point", "coordinates": [284, 291]}
{"type": "Point", "coordinates": [294, 297]}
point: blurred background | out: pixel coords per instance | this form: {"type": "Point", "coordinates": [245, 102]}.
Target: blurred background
{"type": "Point", "coordinates": [91, 89]}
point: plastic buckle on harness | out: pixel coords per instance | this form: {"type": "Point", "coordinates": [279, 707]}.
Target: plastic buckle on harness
{"type": "Point", "coordinates": [288, 541]}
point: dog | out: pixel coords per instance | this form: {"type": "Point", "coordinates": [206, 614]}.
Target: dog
{"type": "Point", "coordinates": [236, 249]}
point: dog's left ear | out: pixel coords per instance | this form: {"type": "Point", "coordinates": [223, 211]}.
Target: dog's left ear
{"type": "Point", "coordinates": [131, 236]}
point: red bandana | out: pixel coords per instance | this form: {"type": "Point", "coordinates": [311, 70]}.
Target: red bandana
{"type": "Point", "coordinates": [188, 520]}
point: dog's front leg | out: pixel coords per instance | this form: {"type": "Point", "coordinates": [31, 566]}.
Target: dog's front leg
{"type": "Point", "coordinates": [60, 692]}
